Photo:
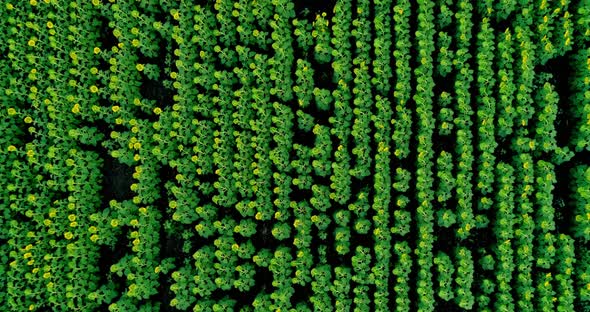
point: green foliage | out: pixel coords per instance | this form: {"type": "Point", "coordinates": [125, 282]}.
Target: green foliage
{"type": "Point", "coordinates": [445, 271]}
{"type": "Point", "coordinates": [446, 218]}
{"type": "Point", "coordinates": [445, 174]}
{"type": "Point", "coordinates": [281, 231]}
{"type": "Point", "coordinates": [582, 196]}
{"type": "Point", "coordinates": [464, 279]}
{"type": "Point", "coordinates": [333, 156]}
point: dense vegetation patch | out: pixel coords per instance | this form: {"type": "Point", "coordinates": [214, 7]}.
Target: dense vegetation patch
{"type": "Point", "coordinates": [276, 155]}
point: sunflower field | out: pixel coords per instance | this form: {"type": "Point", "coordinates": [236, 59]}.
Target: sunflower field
{"type": "Point", "coordinates": [283, 155]}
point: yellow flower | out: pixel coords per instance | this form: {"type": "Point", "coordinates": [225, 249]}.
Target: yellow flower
{"type": "Point", "coordinates": [115, 108]}
{"type": "Point", "coordinates": [96, 50]}
{"type": "Point", "coordinates": [96, 2]}
{"type": "Point", "coordinates": [157, 111]}
{"type": "Point", "coordinates": [139, 67]}
{"type": "Point", "coordinates": [28, 119]}
{"type": "Point", "coordinates": [12, 148]}
{"type": "Point", "coordinates": [73, 55]}
{"type": "Point", "coordinates": [33, 2]}
{"type": "Point", "coordinates": [68, 235]}
{"type": "Point", "coordinates": [76, 108]}
{"type": "Point", "coordinates": [9, 6]}
{"type": "Point", "coordinates": [11, 111]}
{"type": "Point", "coordinates": [49, 24]}
{"type": "Point", "coordinates": [93, 89]}
{"type": "Point", "coordinates": [114, 223]}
